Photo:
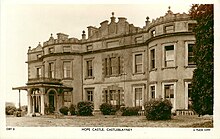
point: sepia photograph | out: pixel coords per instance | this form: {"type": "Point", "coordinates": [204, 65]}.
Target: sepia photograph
{"type": "Point", "coordinates": [132, 70]}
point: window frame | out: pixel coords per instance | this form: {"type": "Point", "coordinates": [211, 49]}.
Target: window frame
{"type": "Point", "coordinates": [51, 70]}
{"type": "Point", "coordinates": [137, 64]}
{"type": "Point", "coordinates": [152, 60]}
{"type": "Point", "coordinates": [51, 50]}
{"type": "Point", "coordinates": [88, 68]}
{"type": "Point", "coordinates": [69, 96]}
{"type": "Point", "coordinates": [187, 94]}
{"type": "Point", "coordinates": [150, 91]}
{"type": "Point", "coordinates": [174, 93]}
{"type": "Point", "coordinates": [39, 72]}
{"type": "Point", "coordinates": [141, 102]}
{"type": "Point", "coordinates": [70, 70]}
{"type": "Point", "coordinates": [187, 54]}
{"type": "Point", "coordinates": [164, 55]}
{"type": "Point", "coordinates": [66, 49]}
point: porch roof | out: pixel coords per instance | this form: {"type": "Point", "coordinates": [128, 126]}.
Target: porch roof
{"type": "Point", "coordinates": [41, 85]}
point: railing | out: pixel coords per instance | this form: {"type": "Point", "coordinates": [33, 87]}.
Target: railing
{"type": "Point", "coordinates": [43, 80]}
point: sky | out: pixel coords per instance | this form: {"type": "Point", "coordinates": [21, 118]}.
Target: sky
{"type": "Point", "coordinates": [25, 25]}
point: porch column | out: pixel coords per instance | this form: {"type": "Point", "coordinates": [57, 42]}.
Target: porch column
{"type": "Point", "coordinates": [33, 104]}
{"type": "Point", "coordinates": [29, 102]}
{"type": "Point", "coordinates": [42, 95]}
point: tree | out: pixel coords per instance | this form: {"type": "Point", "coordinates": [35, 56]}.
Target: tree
{"type": "Point", "coordinates": [202, 82]}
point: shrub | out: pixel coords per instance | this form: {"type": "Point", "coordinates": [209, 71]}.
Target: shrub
{"type": "Point", "coordinates": [9, 110]}
{"type": "Point", "coordinates": [130, 111]}
{"type": "Point", "coordinates": [107, 109]}
{"type": "Point", "coordinates": [84, 108]}
{"type": "Point", "coordinates": [72, 109]}
{"type": "Point", "coordinates": [64, 110]}
{"type": "Point", "coordinates": [158, 109]}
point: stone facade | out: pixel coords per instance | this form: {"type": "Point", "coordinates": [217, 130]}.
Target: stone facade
{"type": "Point", "coordinates": [117, 63]}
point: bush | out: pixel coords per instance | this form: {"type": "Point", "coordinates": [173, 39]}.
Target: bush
{"type": "Point", "coordinates": [84, 108]}
{"type": "Point", "coordinates": [9, 110]}
{"type": "Point", "coordinates": [158, 109]}
{"type": "Point", "coordinates": [72, 109]}
{"type": "Point", "coordinates": [64, 110]}
{"type": "Point", "coordinates": [107, 109]}
{"type": "Point", "coordinates": [130, 111]}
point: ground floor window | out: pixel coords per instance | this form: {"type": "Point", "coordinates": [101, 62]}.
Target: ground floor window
{"type": "Point", "coordinates": [138, 95]}
{"type": "Point", "coordinates": [113, 95]}
{"type": "Point", "coordinates": [188, 95]}
{"type": "Point", "coordinates": [152, 92]}
{"type": "Point", "coordinates": [89, 94]}
{"type": "Point", "coordinates": [67, 98]}
{"type": "Point", "coordinates": [169, 90]}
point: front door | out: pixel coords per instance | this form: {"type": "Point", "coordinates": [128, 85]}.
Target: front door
{"type": "Point", "coordinates": [51, 102]}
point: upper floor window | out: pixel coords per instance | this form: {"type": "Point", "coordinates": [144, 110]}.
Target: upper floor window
{"type": "Point", "coordinates": [51, 70]}
{"type": "Point", "coordinates": [138, 62]}
{"type": "Point", "coordinates": [191, 54]}
{"type": "Point", "coordinates": [66, 49]}
{"type": "Point", "coordinates": [39, 56]}
{"type": "Point", "coordinates": [112, 66]}
{"type": "Point", "coordinates": [51, 50]}
{"type": "Point", "coordinates": [89, 68]}
{"type": "Point", "coordinates": [139, 39]}
{"type": "Point", "coordinates": [66, 69]}
{"type": "Point", "coordinates": [152, 59]}
{"type": "Point", "coordinates": [39, 73]}
{"type": "Point", "coordinates": [153, 33]}
{"type": "Point", "coordinates": [169, 29]}
{"type": "Point", "coordinates": [89, 48]}
{"type": "Point", "coordinates": [191, 26]}
{"type": "Point", "coordinates": [169, 56]}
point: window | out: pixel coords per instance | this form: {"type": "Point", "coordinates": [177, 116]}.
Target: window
{"type": "Point", "coordinates": [51, 50]}
{"type": "Point", "coordinates": [191, 54]}
{"type": "Point", "coordinates": [189, 95]}
{"type": "Point", "coordinates": [89, 95]}
{"type": "Point", "coordinates": [67, 98]}
{"type": "Point", "coordinates": [66, 69]}
{"type": "Point", "coordinates": [191, 26]}
{"type": "Point", "coordinates": [112, 97]}
{"type": "Point", "coordinates": [66, 49]}
{"type": "Point", "coordinates": [112, 66]}
{"type": "Point", "coordinates": [153, 33]}
{"type": "Point", "coordinates": [152, 59]}
{"type": "Point", "coordinates": [169, 91]}
{"type": "Point", "coordinates": [152, 92]}
{"type": "Point", "coordinates": [169, 56]}
{"type": "Point", "coordinates": [39, 56]}
{"type": "Point", "coordinates": [169, 29]}
{"type": "Point", "coordinates": [51, 70]}
{"type": "Point", "coordinates": [138, 63]}
{"type": "Point", "coordinates": [139, 40]}
{"type": "Point", "coordinates": [39, 75]}
{"type": "Point", "coordinates": [89, 48]}
{"type": "Point", "coordinates": [138, 97]}
{"type": "Point", "coordinates": [89, 68]}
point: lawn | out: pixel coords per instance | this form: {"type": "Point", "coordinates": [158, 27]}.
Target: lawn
{"type": "Point", "coordinates": [107, 121]}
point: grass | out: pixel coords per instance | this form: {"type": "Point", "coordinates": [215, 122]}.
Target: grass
{"type": "Point", "coordinates": [107, 121]}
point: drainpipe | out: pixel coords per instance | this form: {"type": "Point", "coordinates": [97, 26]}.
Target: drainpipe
{"type": "Point", "coordinates": [82, 74]}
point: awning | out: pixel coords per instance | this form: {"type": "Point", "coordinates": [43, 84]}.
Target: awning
{"type": "Point", "coordinates": [42, 85]}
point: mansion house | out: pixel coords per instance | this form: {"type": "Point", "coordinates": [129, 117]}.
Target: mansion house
{"type": "Point", "coordinates": [116, 63]}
